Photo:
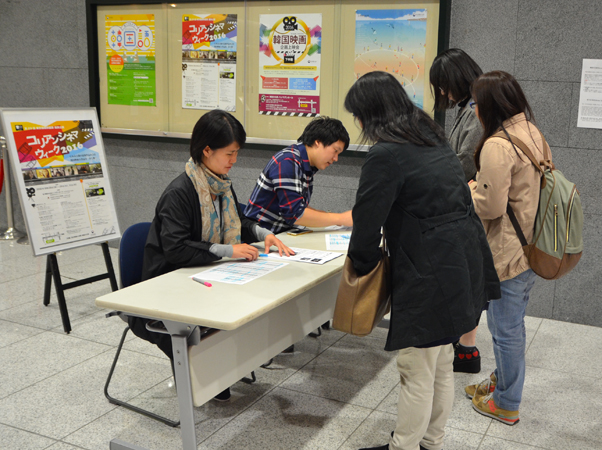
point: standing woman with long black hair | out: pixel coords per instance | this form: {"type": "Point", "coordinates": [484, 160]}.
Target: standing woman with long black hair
{"type": "Point", "coordinates": [413, 186]}
{"type": "Point", "coordinates": [506, 177]}
{"type": "Point", "coordinates": [451, 76]}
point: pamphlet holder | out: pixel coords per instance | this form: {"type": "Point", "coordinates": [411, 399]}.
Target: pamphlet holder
{"type": "Point", "coordinates": [53, 273]}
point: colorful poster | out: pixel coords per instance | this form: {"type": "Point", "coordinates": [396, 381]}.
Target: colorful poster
{"type": "Point", "coordinates": [209, 61]}
{"type": "Point", "coordinates": [394, 41]}
{"type": "Point", "coordinates": [63, 184]}
{"type": "Point", "coordinates": [290, 49]}
{"type": "Point", "coordinates": [130, 50]}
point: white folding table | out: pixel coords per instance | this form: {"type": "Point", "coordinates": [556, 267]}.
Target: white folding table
{"type": "Point", "coordinates": [256, 320]}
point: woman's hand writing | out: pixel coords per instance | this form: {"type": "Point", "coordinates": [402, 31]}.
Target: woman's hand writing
{"type": "Point", "coordinates": [245, 251]}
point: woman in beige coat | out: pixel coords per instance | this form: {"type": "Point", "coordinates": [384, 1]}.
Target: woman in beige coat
{"type": "Point", "coordinates": [506, 176]}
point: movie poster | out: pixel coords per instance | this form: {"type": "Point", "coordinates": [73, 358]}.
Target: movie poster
{"type": "Point", "coordinates": [290, 48]}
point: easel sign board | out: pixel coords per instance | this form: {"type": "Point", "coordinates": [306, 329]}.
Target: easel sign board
{"type": "Point", "coordinates": [58, 160]}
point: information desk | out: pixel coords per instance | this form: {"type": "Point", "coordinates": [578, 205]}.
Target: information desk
{"type": "Point", "coordinates": [257, 321]}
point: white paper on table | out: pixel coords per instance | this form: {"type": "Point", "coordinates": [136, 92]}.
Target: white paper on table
{"type": "Point", "coordinates": [306, 256]}
{"type": "Point", "coordinates": [339, 241]}
{"type": "Point", "coordinates": [239, 272]}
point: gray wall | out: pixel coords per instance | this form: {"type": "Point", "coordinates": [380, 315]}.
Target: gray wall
{"type": "Point", "coordinates": [541, 42]}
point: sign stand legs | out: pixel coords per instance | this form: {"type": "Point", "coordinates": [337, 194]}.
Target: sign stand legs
{"type": "Point", "coordinates": [53, 274]}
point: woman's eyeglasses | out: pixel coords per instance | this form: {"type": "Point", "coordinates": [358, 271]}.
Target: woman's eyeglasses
{"type": "Point", "coordinates": [473, 105]}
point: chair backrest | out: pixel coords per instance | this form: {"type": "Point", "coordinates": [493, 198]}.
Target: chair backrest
{"type": "Point", "coordinates": [131, 253]}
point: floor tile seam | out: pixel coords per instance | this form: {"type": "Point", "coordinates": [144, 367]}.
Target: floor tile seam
{"type": "Point", "coordinates": [253, 403]}
{"type": "Point", "coordinates": [330, 399]}
{"type": "Point", "coordinates": [535, 334]}
{"type": "Point", "coordinates": [67, 443]}
{"type": "Point", "coordinates": [316, 355]}
{"type": "Point", "coordinates": [389, 393]}
{"type": "Point", "coordinates": [294, 371]}
{"type": "Point", "coordinates": [484, 434]}
{"type": "Point", "coordinates": [360, 424]}
{"type": "Point", "coordinates": [64, 438]}
{"type": "Point", "coordinates": [528, 443]}
{"type": "Point", "coordinates": [56, 374]}
{"type": "Point", "coordinates": [19, 323]}
{"type": "Point", "coordinates": [578, 373]}
{"type": "Point", "coordinates": [31, 432]}
{"type": "Point", "coordinates": [10, 280]}
{"type": "Point", "coordinates": [2, 347]}
{"type": "Point", "coordinates": [465, 430]}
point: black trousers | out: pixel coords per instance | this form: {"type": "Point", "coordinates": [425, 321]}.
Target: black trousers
{"type": "Point", "coordinates": [163, 341]}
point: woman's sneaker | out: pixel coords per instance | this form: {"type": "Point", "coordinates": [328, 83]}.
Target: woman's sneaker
{"type": "Point", "coordinates": [486, 406]}
{"type": "Point", "coordinates": [485, 387]}
{"type": "Point", "coordinates": [466, 359]}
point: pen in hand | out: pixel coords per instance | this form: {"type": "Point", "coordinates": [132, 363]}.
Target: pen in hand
{"type": "Point", "coordinates": [198, 280]}
{"type": "Point", "coordinates": [263, 254]}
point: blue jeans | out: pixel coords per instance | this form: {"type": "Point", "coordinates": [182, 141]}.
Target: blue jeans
{"type": "Point", "coordinates": [506, 321]}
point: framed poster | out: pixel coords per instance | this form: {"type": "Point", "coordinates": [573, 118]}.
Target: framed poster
{"type": "Point", "coordinates": [289, 64]}
{"type": "Point", "coordinates": [58, 160]}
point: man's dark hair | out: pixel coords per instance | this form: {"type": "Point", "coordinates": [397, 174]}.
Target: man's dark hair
{"type": "Point", "coordinates": [325, 130]}
{"type": "Point", "coordinates": [453, 71]}
{"type": "Point", "coordinates": [215, 129]}
{"type": "Point", "coordinates": [499, 97]}
{"type": "Point", "coordinates": [386, 114]}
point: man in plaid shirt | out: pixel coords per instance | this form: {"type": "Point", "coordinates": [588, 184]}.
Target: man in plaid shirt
{"type": "Point", "coordinates": [280, 200]}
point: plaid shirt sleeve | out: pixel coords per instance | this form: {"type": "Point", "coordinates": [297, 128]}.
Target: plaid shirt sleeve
{"type": "Point", "coordinates": [289, 183]}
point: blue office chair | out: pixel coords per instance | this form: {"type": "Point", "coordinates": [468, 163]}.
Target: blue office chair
{"type": "Point", "coordinates": [131, 254]}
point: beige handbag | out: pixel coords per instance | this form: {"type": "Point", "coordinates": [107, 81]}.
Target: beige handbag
{"type": "Point", "coordinates": [363, 300]}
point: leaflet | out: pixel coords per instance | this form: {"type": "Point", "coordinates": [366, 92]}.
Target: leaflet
{"type": "Point", "coordinates": [306, 256]}
{"type": "Point", "coordinates": [339, 241]}
{"type": "Point", "coordinates": [239, 272]}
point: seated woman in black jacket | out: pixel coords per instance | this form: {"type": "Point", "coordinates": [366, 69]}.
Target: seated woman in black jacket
{"type": "Point", "coordinates": [442, 270]}
{"type": "Point", "coordinates": [198, 219]}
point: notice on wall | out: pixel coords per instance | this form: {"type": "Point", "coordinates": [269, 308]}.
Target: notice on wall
{"type": "Point", "coordinates": [130, 51]}
{"type": "Point", "coordinates": [60, 171]}
{"type": "Point", "coordinates": [289, 64]}
{"type": "Point", "coordinates": [209, 61]}
{"type": "Point", "coordinates": [590, 96]}
{"type": "Point", "coordinates": [393, 41]}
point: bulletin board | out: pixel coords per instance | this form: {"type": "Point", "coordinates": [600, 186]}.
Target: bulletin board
{"type": "Point", "coordinates": [58, 160]}
{"type": "Point", "coordinates": [156, 67]}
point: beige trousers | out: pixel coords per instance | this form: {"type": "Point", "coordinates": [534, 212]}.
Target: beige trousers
{"type": "Point", "coordinates": [426, 397]}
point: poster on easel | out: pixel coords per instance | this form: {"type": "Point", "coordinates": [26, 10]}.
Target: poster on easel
{"type": "Point", "coordinates": [209, 61]}
{"type": "Point", "coordinates": [130, 58]}
{"type": "Point", "coordinates": [290, 48]}
{"type": "Point", "coordinates": [58, 160]}
{"type": "Point", "coordinates": [393, 41]}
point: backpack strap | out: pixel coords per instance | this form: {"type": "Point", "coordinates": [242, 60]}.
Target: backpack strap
{"type": "Point", "coordinates": [517, 228]}
{"type": "Point", "coordinates": [516, 142]}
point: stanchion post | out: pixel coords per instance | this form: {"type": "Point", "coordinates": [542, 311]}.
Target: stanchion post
{"type": "Point", "coordinates": [11, 232]}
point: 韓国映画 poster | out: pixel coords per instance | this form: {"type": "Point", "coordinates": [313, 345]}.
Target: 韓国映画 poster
{"type": "Point", "coordinates": [289, 64]}
{"type": "Point", "coordinates": [209, 61]}
{"type": "Point", "coordinates": [393, 41]}
{"type": "Point", "coordinates": [61, 175]}
{"type": "Point", "coordinates": [130, 52]}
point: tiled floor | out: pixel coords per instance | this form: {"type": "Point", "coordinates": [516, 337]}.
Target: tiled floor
{"type": "Point", "coordinates": [334, 392]}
